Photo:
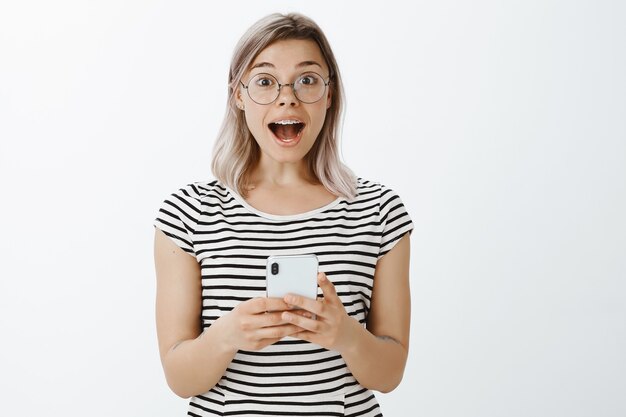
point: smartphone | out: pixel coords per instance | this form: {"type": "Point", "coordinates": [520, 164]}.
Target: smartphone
{"type": "Point", "coordinates": [295, 274]}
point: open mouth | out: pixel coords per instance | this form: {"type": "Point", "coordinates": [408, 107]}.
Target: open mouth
{"type": "Point", "coordinates": [286, 131]}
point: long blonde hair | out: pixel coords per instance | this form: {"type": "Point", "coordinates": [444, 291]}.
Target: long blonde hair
{"type": "Point", "coordinates": [236, 152]}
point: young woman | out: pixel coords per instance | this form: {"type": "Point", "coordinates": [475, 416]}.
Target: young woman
{"type": "Point", "coordinates": [282, 190]}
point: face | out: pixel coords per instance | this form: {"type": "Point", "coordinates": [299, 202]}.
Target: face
{"type": "Point", "coordinates": [287, 128]}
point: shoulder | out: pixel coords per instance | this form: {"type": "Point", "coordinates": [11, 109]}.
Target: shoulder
{"type": "Point", "coordinates": [190, 200]}
{"type": "Point", "coordinates": [369, 190]}
{"type": "Point", "coordinates": [388, 203]}
{"type": "Point", "coordinates": [393, 218]}
{"type": "Point", "coordinates": [200, 191]}
{"type": "Point", "coordinates": [179, 213]}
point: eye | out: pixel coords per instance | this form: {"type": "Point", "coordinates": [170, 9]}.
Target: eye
{"type": "Point", "coordinates": [263, 81]}
{"type": "Point", "coordinates": [308, 79]}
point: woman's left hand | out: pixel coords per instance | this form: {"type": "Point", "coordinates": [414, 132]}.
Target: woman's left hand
{"type": "Point", "coordinates": [332, 328]}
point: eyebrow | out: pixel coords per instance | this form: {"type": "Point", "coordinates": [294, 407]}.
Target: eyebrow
{"type": "Point", "coordinates": [270, 65]}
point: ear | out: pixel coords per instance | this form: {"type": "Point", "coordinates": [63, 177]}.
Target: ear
{"type": "Point", "coordinates": [329, 98]}
{"type": "Point", "coordinates": [238, 99]}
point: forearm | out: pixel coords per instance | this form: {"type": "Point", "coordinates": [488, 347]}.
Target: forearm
{"type": "Point", "coordinates": [376, 362]}
{"type": "Point", "coordinates": [194, 366]}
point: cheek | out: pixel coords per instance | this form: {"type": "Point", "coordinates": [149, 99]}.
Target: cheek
{"type": "Point", "coordinates": [255, 124]}
{"type": "Point", "coordinates": [320, 116]}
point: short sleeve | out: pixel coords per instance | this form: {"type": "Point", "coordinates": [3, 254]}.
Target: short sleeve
{"type": "Point", "coordinates": [178, 217]}
{"type": "Point", "coordinates": [394, 219]}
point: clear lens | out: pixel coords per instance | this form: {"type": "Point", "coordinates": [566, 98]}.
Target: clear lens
{"type": "Point", "coordinates": [265, 89]}
{"type": "Point", "coordinates": [309, 87]}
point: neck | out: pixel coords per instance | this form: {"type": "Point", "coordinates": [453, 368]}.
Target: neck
{"type": "Point", "coordinates": [280, 174]}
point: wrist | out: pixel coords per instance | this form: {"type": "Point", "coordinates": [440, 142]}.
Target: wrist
{"type": "Point", "coordinates": [354, 333]}
{"type": "Point", "coordinates": [215, 339]}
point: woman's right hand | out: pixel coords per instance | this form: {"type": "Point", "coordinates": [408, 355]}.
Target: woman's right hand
{"type": "Point", "coordinates": [255, 324]}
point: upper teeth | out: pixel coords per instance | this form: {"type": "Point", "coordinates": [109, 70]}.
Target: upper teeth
{"type": "Point", "coordinates": [287, 122]}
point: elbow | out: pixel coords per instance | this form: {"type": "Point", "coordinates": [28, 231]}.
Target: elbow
{"type": "Point", "coordinates": [178, 380]}
{"type": "Point", "coordinates": [182, 393]}
{"type": "Point", "coordinates": [186, 385]}
{"type": "Point", "coordinates": [387, 390]}
{"type": "Point", "coordinates": [395, 373]}
{"type": "Point", "coordinates": [390, 385]}
{"type": "Point", "coordinates": [385, 385]}
{"type": "Point", "coordinates": [390, 378]}
{"type": "Point", "coordinates": [180, 384]}
{"type": "Point", "coordinates": [179, 389]}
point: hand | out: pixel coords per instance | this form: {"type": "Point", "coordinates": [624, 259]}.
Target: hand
{"type": "Point", "coordinates": [332, 328]}
{"type": "Point", "coordinates": [255, 324]}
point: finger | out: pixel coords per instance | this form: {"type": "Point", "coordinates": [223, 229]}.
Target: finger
{"type": "Point", "coordinates": [305, 335]}
{"type": "Point", "coordinates": [302, 322]}
{"type": "Point", "coordinates": [302, 313]}
{"type": "Point", "coordinates": [263, 344]}
{"type": "Point", "coordinates": [276, 304]}
{"type": "Point", "coordinates": [305, 303]}
{"type": "Point", "coordinates": [276, 332]}
{"type": "Point", "coordinates": [328, 289]}
{"type": "Point", "coordinates": [263, 304]}
{"type": "Point", "coordinates": [258, 321]}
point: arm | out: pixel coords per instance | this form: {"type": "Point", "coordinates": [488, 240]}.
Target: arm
{"type": "Point", "coordinates": [188, 369]}
{"type": "Point", "coordinates": [376, 356]}
{"type": "Point", "coordinates": [379, 354]}
{"type": "Point", "coordinates": [195, 360]}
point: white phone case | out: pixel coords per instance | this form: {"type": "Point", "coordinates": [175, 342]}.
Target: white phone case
{"type": "Point", "coordinates": [295, 274]}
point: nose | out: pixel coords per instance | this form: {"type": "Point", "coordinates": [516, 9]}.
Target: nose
{"type": "Point", "coordinates": [286, 96]}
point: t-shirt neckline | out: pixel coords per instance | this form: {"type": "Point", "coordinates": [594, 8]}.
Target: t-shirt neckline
{"type": "Point", "coordinates": [270, 216]}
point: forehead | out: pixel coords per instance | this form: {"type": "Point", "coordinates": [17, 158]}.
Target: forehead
{"type": "Point", "coordinates": [290, 54]}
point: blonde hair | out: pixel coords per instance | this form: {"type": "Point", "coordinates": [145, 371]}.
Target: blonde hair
{"type": "Point", "coordinates": [235, 152]}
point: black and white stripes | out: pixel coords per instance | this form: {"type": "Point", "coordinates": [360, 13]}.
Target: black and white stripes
{"type": "Point", "coordinates": [231, 240]}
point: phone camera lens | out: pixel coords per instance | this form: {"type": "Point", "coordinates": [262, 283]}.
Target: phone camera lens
{"type": "Point", "coordinates": [274, 268]}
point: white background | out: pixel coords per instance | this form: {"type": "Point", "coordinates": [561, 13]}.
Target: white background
{"type": "Point", "coordinates": [501, 124]}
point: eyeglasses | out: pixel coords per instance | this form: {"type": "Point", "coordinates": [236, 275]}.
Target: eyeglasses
{"type": "Point", "coordinates": [265, 88]}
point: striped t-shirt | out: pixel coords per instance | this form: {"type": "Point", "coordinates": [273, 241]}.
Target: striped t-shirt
{"type": "Point", "coordinates": [232, 240]}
